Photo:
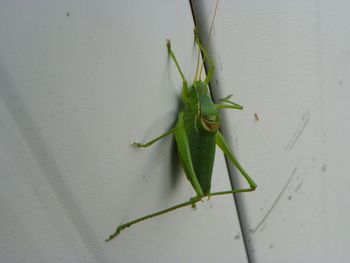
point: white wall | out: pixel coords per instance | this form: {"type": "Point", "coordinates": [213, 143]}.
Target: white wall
{"type": "Point", "coordinates": [79, 80]}
{"type": "Point", "coordinates": [288, 61]}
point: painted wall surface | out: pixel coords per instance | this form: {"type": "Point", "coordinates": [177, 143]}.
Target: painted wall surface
{"type": "Point", "coordinates": [288, 63]}
{"type": "Point", "coordinates": [80, 80]}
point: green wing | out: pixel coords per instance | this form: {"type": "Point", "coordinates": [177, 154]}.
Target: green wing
{"type": "Point", "coordinates": [185, 155]}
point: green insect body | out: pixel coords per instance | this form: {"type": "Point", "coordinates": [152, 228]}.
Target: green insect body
{"type": "Point", "coordinates": [197, 134]}
{"type": "Point", "coordinates": [200, 120]}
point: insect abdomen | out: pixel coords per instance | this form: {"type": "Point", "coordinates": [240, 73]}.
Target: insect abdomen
{"type": "Point", "coordinates": [202, 146]}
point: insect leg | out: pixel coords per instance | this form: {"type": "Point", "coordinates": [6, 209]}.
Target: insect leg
{"type": "Point", "coordinates": [226, 106]}
{"type": "Point", "coordinates": [206, 57]}
{"type": "Point", "coordinates": [230, 105]}
{"type": "Point", "coordinates": [221, 142]}
{"type": "Point", "coordinates": [184, 81]}
{"type": "Point", "coordinates": [234, 191]}
{"type": "Point", "coordinates": [137, 144]}
{"type": "Point", "coordinates": [191, 202]}
{"type": "Point", "coordinates": [172, 55]}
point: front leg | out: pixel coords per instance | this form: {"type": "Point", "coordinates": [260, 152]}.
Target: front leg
{"type": "Point", "coordinates": [147, 144]}
{"type": "Point", "coordinates": [230, 105]}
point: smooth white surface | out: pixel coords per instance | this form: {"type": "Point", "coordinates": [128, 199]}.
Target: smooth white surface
{"type": "Point", "coordinates": [288, 61]}
{"type": "Point", "coordinates": [79, 80]}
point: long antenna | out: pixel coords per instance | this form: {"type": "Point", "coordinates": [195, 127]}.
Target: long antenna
{"type": "Point", "coordinates": [209, 35]}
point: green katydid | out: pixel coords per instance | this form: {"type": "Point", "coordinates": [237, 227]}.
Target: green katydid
{"type": "Point", "coordinates": [197, 134]}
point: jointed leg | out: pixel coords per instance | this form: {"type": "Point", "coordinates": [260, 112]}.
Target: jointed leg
{"type": "Point", "coordinates": [184, 81]}
{"type": "Point", "coordinates": [232, 105]}
{"type": "Point", "coordinates": [191, 202]}
{"type": "Point", "coordinates": [137, 144]}
{"type": "Point", "coordinates": [221, 142]}
{"type": "Point", "coordinates": [234, 191]}
{"type": "Point", "coordinates": [172, 55]}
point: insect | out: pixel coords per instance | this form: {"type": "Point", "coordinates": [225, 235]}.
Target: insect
{"type": "Point", "coordinates": [197, 135]}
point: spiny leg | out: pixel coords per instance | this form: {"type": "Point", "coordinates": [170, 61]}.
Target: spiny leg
{"type": "Point", "coordinates": [221, 142]}
{"type": "Point", "coordinates": [137, 144]}
{"type": "Point", "coordinates": [191, 202]}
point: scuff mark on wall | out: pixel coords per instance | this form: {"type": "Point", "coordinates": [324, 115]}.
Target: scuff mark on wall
{"type": "Point", "coordinates": [301, 127]}
{"type": "Point", "coordinates": [275, 202]}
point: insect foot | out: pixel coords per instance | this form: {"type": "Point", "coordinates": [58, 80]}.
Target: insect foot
{"type": "Point", "coordinates": [136, 144]}
{"type": "Point", "coordinates": [116, 233]}
{"type": "Point", "coordinates": [194, 207]}
{"type": "Point", "coordinates": [194, 200]}
{"type": "Point", "coordinates": [168, 44]}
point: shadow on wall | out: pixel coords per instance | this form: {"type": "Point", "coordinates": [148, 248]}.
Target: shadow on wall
{"type": "Point", "coordinates": [19, 111]}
